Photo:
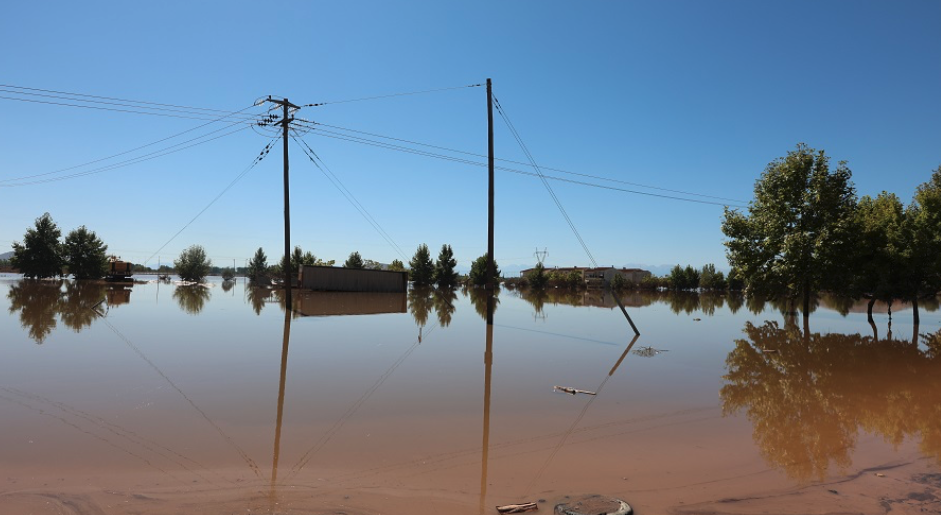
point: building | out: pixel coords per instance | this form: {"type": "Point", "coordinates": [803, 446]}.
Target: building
{"type": "Point", "coordinates": [328, 278]}
{"type": "Point", "coordinates": [601, 276]}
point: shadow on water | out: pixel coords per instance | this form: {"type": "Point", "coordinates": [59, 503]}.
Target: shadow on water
{"type": "Point", "coordinates": [77, 304]}
{"type": "Point", "coordinates": [809, 395]}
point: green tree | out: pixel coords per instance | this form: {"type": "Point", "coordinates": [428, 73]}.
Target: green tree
{"type": "Point", "coordinates": [798, 230]}
{"type": "Point", "coordinates": [879, 256]}
{"type": "Point", "coordinates": [421, 268]}
{"type": "Point", "coordinates": [444, 275]}
{"type": "Point", "coordinates": [537, 277]}
{"type": "Point", "coordinates": [710, 279]}
{"type": "Point", "coordinates": [85, 254]}
{"type": "Point", "coordinates": [922, 243]}
{"type": "Point", "coordinates": [193, 265]}
{"type": "Point", "coordinates": [397, 266]}
{"type": "Point", "coordinates": [258, 266]}
{"type": "Point", "coordinates": [478, 271]}
{"type": "Point", "coordinates": [40, 254]}
{"type": "Point", "coordinates": [354, 261]}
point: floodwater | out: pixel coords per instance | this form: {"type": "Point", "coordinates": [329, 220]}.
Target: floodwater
{"type": "Point", "coordinates": [159, 398]}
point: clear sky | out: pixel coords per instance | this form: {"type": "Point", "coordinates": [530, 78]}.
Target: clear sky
{"type": "Point", "coordinates": [691, 96]}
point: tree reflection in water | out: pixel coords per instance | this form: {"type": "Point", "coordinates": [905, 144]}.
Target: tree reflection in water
{"type": "Point", "coordinates": [191, 297]}
{"type": "Point", "coordinates": [444, 305]}
{"type": "Point", "coordinates": [37, 302]}
{"type": "Point", "coordinates": [478, 297]}
{"type": "Point", "coordinates": [420, 304]}
{"type": "Point", "coordinates": [76, 305]}
{"type": "Point", "coordinates": [807, 396]}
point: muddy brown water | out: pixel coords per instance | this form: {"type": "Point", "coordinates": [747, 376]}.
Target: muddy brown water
{"type": "Point", "coordinates": [160, 398]}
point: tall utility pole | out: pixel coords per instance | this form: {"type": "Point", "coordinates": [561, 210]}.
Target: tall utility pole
{"type": "Point", "coordinates": [285, 123]}
{"type": "Point", "coordinates": [490, 268]}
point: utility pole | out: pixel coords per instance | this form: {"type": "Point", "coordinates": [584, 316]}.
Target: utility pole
{"type": "Point", "coordinates": [285, 123]}
{"type": "Point", "coordinates": [490, 268]}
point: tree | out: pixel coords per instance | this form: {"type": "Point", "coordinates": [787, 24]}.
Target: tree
{"type": "Point", "coordinates": [85, 254]}
{"type": "Point", "coordinates": [879, 259]}
{"type": "Point", "coordinates": [444, 274]}
{"type": "Point", "coordinates": [922, 243]}
{"type": "Point", "coordinates": [40, 254]}
{"type": "Point", "coordinates": [193, 265]}
{"type": "Point", "coordinates": [354, 261]}
{"type": "Point", "coordinates": [537, 277]}
{"type": "Point", "coordinates": [397, 266]}
{"type": "Point", "coordinates": [478, 271]}
{"type": "Point", "coordinates": [798, 230]}
{"type": "Point", "coordinates": [257, 265]}
{"type": "Point", "coordinates": [422, 269]}
{"type": "Point", "coordinates": [710, 279]}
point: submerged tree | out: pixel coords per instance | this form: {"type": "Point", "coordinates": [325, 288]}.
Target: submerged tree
{"type": "Point", "coordinates": [258, 265]}
{"type": "Point", "coordinates": [422, 270]}
{"type": "Point", "coordinates": [40, 254]}
{"type": "Point", "coordinates": [537, 277]}
{"type": "Point", "coordinates": [445, 276]}
{"type": "Point", "coordinates": [798, 230]}
{"type": "Point", "coordinates": [922, 234]}
{"type": "Point", "coordinates": [85, 254]}
{"type": "Point", "coordinates": [879, 254]}
{"type": "Point", "coordinates": [478, 271]}
{"type": "Point", "coordinates": [193, 265]}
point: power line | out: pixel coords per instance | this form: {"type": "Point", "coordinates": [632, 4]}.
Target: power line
{"type": "Point", "coordinates": [113, 109]}
{"type": "Point", "coordinates": [15, 179]}
{"type": "Point", "coordinates": [456, 151]}
{"type": "Point", "coordinates": [408, 150]}
{"type": "Point", "coordinates": [109, 98]}
{"type": "Point", "coordinates": [377, 97]}
{"type": "Point", "coordinates": [545, 182]}
{"type": "Point", "coordinates": [314, 158]}
{"type": "Point", "coordinates": [258, 159]}
{"type": "Point", "coordinates": [146, 157]}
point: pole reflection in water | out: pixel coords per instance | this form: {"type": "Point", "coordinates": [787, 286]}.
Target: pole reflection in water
{"type": "Point", "coordinates": [488, 367]}
{"type": "Point", "coordinates": [285, 340]}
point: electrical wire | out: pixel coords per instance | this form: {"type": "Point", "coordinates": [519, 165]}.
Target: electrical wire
{"type": "Point", "coordinates": [131, 111]}
{"type": "Point", "coordinates": [16, 179]}
{"type": "Point", "coordinates": [408, 150]}
{"type": "Point", "coordinates": [456, 151]}
{"type": "Point", "coordinates": [314, 158]}
{"type": "Point", "coordinates": [261, 156]}
{"type": "Point", "coordinates": [377, 97]}
{"type": "Point", "coordinates": [85, 95]}
{"type": "Point", "coordinates": [146, 157]}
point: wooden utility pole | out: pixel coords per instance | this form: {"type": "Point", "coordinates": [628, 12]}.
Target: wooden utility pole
{"type": "Point", "coordinates": [285, 124]}
{"type": "Point", "coordinates": [490, 268]}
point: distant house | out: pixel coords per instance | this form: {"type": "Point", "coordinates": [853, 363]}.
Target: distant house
{"type": "Point", "coordinates": [601, 276]}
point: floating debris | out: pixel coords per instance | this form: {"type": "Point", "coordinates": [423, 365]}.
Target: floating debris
{"type": "Point", "coordinates": [517, 508]}
{"type": "Point", "coordinates": [594, 505]}
{"type": "Point", "coordinates": [697, 320]}
{"type": "Point", "coordinates": [648, 352]}
{"type": "Point", "coordinates": [572, 391]}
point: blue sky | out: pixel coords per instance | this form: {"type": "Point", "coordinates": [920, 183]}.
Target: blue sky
{"type": "Point", "coordinates": [688, 96]}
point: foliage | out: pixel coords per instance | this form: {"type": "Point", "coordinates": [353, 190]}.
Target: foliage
{"type": "Point", "coordinates": [799, 227]}
{"type": "Point", "coordinates": [85, 254]}
{"type": "Point", "coordinates": [710, 279]}
{"type": "Point", "coordinates": [369, 264]}
{"type": "Point", "coordinates": [618, 283]}
{"type": "Point", "coordinates": [922, 235]}
{"type": "Point", "coordinates": [397, 266]}
{"type": "Point", "coordinates": [478, 271]}
{"type": "Point", "coordinates": [354, 261]}
{"type": "Point", "coordinates": [258, 266]}
{"type": "Point", "coordinates": [444, 274]}
{"type": "Point", "coordinates": [684, 278]}
{"type": "Point", "coordinates": [193, 265]}
{"type": "Point", "coordinates": [40, 254]}
{"type": "Point", "coordinates": [881, 245]}
{"type": "Point", "coordinates": [537, 277]}
{"type": "Point", "coordinates": [422, 269]}
{"type": "Point", "coordinates": [228, 274]}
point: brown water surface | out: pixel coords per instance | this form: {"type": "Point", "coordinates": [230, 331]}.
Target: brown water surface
{"type": "Point", "coordinates": [162, 398]}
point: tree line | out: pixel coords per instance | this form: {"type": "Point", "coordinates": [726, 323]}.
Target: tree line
{"type": "Point", "coordinates": [806, 231]}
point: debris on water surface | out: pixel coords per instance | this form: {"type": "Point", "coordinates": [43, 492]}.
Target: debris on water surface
{"type": "Point", "coordinates": [572, 391]}
{"type": "Point", "coordinates": [517, 508]}
{"type": "Point", "coordinates": [593, 505]}
{"type": "Point", "coordinates": [648, 352]}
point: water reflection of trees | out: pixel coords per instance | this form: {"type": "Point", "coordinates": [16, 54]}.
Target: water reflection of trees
{"type": "Point", "coordinates": [420, 303]}
{"type": "Point", "coordinates": [478, 297]}
{"type": "Point", "coordinates": [191, 297]}
{"type": "Point", "coordinates": [38, 302]}
{"type": "Point", "coordinates": [808, 396]}
{"type": "Point", "coordinates": [444, 305]}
